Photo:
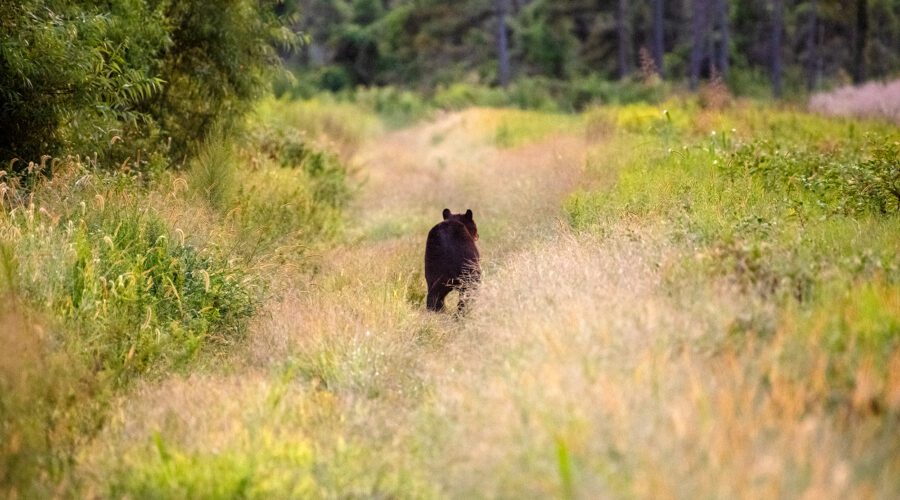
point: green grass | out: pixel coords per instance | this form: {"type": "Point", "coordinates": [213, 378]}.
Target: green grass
{"type": "Point", "coordinates": [133, 296]}
{"type": "Point", "coordinates": [522, 127]}
{"type": "Point", "coordinates": [801, 211]}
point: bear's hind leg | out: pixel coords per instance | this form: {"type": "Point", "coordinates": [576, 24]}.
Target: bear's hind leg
{"type": "Point", "coordinates": [465, 295]}
{"type": "Point", "coordinates": [467, 285]}
{"type": "Point", "coordinates": [436, 295]}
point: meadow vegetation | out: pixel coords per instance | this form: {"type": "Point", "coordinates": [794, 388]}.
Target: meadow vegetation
{"type": "Point", "coordinates": [113, 276]}
{"type": "Point", "coordinates": [699, 297]}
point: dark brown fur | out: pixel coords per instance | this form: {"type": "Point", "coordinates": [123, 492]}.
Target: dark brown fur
{"type": "Point", "coordinates": [452, 261]}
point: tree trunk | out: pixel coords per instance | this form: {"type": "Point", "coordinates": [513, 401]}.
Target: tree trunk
{"type": "Point", "coordinates": [658, 36]}
{"type": "Point", "coordinates": [502, 44]}
{"type": "Point", "coordinates": [724, 50]}
{"type": "Point", "coordinates": [861, 33]}
{"type": "Point", "coordinates": [777, 31]}
{"type": "Point", "coordinates": [622, 34]}
{"type": "Point", "coordinates": [812, 47]}
{"type": "Point", "coordinates": [698, 40]}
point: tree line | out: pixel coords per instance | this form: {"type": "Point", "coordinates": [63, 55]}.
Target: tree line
{"type": "Point", "coordinates": [752, 45]}
{"type": "Point", "coordinates": [144, 81]}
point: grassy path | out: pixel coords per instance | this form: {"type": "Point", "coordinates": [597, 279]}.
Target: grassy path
{"type": "Point", "coordinates": [351, 367]}
{"type": "Point", "coordinates": [579, 373]}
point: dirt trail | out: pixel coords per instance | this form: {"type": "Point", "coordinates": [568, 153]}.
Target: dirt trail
{"type": "Point", "coordinates": [451, 162]}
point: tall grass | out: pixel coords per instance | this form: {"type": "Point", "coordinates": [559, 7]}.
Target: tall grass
{"type": "Point", "coordinates": [110, 278]}
{"type": "Point", "coordinates": [97, 293]}
{"type": "Point", "coordinates": [664, 312]}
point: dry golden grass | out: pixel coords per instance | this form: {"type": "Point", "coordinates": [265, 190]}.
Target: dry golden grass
{"type": "Point", "coordinates": [576, 346]}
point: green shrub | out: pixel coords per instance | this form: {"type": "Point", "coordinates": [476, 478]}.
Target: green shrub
{"type": "Point", "coordinates": [120, 78]}
{"type": "Point", "coordinates": [395, 106]}
{"type": "Point", "coordinates": [843, 180]}
{"type": "Point", "coordinates": [74, 76]}
{"type": "Point", "coordinates": [134, 298]}
{"type": "Point", "coordinates": [326, 120]}
{"type": "Point", "coordinates": [279, 191]}
{"type": "Point", "coordinates": [458, 96]}
{"type": "Point", "coordinates": [326, 173]}
{"type": "Point", "coordinates": [221, 58]}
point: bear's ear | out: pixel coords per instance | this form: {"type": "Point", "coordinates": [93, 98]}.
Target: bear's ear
{"type": "Point", "coordinates": [446, 213]}
{"type": "Point", "coordinates": [469, 214]}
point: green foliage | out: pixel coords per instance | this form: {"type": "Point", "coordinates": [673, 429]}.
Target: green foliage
{"type": "Point", "coordinates": [298, 196]}
{"type": "Point", "coordinates": [330, 119]}
{"type": "Point", "coordinates": [74, 76]}
{"type": "Point", "coordinates": [427, 44]}
{"type": "Point", "coordinates": [113, 79]}
{"type": "Point", "coordinates": [135, 298]}
{"type": "Point", "coordinates": [275, 470]}
{"type": "Point", "coordinates": [546, 39]}
{"type": "Point", "coordinates": [221, 58]}
{"type": "Point", "coordinates": [776, 215]}
{"type": "Point", "coordinates": [279, 188]}
{"type": "Point", "coordinates": [841, 180]}
{"type": "Point", "coordinates": [213, 173]}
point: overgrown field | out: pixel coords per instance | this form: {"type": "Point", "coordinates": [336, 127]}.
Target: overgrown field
{"type": "Point", "coordinates": [678, 301]}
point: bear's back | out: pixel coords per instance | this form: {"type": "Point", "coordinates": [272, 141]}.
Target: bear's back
{"type": "Point", "coordinates": [449, 249]}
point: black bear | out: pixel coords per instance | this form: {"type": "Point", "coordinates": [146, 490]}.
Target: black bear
{"type": "Point", "coordinates": [451, 259]}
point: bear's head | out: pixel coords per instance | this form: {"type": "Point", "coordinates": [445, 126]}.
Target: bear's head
{"type": "Point", "coordinates": [466, 220]}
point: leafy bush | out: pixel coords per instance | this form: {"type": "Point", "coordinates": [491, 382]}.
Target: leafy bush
{"type": "Point", "coordinates": [842, 180]}
{"type": "Point", "coordinates": [279, 189]}
{"type": "Point", "coordinates": [397, 107]}
{"type": "Point", "coordinates": [302, 191]}
{"type": "Point", "coordinates": [134, 297]}
{"type": "Point", "coordinates": [73, 76]}
{"type": "Point", "coordinates": [221, 58]}
{"type": "Point", "coordinates": [114, 78]}
{"type": "Point", "coordinates": [328, 120]}
{"type": "Point", "coordinates": [776, 216]}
